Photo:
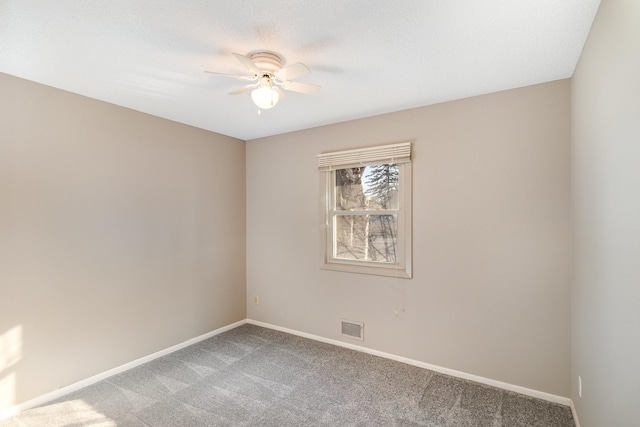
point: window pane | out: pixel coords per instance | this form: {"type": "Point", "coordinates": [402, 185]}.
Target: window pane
{"type": "Point", "coordinates": [381, 186]}
{"type": "Point", "coordinates": [367, 188]}
{"type": "Point", "coordinates": [370, 238]}
{"type": "Point", "coordinates": [349, 189]}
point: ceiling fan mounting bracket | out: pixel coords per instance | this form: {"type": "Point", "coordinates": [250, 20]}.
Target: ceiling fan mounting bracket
{"type": "Point", "coordinates": [267, 61]}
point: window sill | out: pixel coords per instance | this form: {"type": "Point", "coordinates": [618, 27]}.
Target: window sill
{"type": "Point", "coordinates": [400, 272]}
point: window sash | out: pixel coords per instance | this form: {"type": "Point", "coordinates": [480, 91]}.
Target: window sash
{"type": "Point", "coordinates": [333, 243]}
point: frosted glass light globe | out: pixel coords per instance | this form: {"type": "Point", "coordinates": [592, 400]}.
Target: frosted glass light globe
{"type": "Point", "coordinates": [265, 97]}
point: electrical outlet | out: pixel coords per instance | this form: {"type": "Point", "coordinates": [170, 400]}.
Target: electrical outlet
{"type": "Point", "coordinates": [255, 299]}
{"type": "Point", "coordinates": [579, 386]}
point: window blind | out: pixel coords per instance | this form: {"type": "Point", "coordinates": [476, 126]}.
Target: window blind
{"type": "Point", "coordinates": [394, 153]}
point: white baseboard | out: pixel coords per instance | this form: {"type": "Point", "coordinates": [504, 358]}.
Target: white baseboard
{"type": "Point", "coordinates": [62, 391]}
{"type": "Point", "coordinates": [575, 414]}
{"type": "Point", "coordinates": [482, 380]}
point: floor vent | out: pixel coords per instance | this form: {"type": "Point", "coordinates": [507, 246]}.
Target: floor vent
{"type": "Point", "coordinates": [352, 329]}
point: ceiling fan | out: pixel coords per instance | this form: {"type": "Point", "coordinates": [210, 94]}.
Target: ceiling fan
{"type": "Point", "coordinates": [270, 78]}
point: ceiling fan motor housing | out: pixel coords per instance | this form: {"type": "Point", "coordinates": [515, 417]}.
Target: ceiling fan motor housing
{"type": "Point", "coordinates": [267, 61]}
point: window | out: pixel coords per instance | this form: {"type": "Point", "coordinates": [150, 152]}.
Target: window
{"type": "Point", "coordinates": [367, 210]}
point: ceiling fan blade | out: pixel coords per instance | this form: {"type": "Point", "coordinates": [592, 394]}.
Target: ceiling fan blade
{"type": "Point", "coordinates": [230, 75]}
{"type": "Point", "coordinates": [300, 87]}
{"type": "Point", "coordinates": [293, 71]}
{"type": "Point", "coordinates": [242, 89]}
{"type": "Point", "coordinates": [251, 66]}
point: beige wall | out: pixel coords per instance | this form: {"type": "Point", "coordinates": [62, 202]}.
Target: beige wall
{"type": "Point", "coordinates": [606, 213]}
{"type": "Point", "coordinates": [121, 234]}
{"type": "Point", "coordinates": [490, 293]}
{"type": "Point", "coordinates": [117, 225]}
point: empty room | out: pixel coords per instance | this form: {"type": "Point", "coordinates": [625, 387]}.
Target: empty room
{"type": "Point", "coordinates": [285, 213]}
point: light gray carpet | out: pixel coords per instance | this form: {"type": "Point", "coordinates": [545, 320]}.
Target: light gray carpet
{"type": "Point", "coordinates": [252, 376]}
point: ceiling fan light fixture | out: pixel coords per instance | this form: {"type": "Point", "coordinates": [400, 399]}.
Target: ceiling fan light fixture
{"type": "Point", "coordinates": [269, 78]}
{"type": "Point", "coordinates": [264, 96]}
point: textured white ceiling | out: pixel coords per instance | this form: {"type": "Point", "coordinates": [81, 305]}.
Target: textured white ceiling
{"type": "Point", "coordinates": [369, 56]}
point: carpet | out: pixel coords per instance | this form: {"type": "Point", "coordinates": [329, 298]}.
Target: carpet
{"type": "Point", "coordinates": [253, 376]}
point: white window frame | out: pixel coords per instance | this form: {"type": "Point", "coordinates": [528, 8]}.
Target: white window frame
{"type": "Point", "coordinates": [328, 163]}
